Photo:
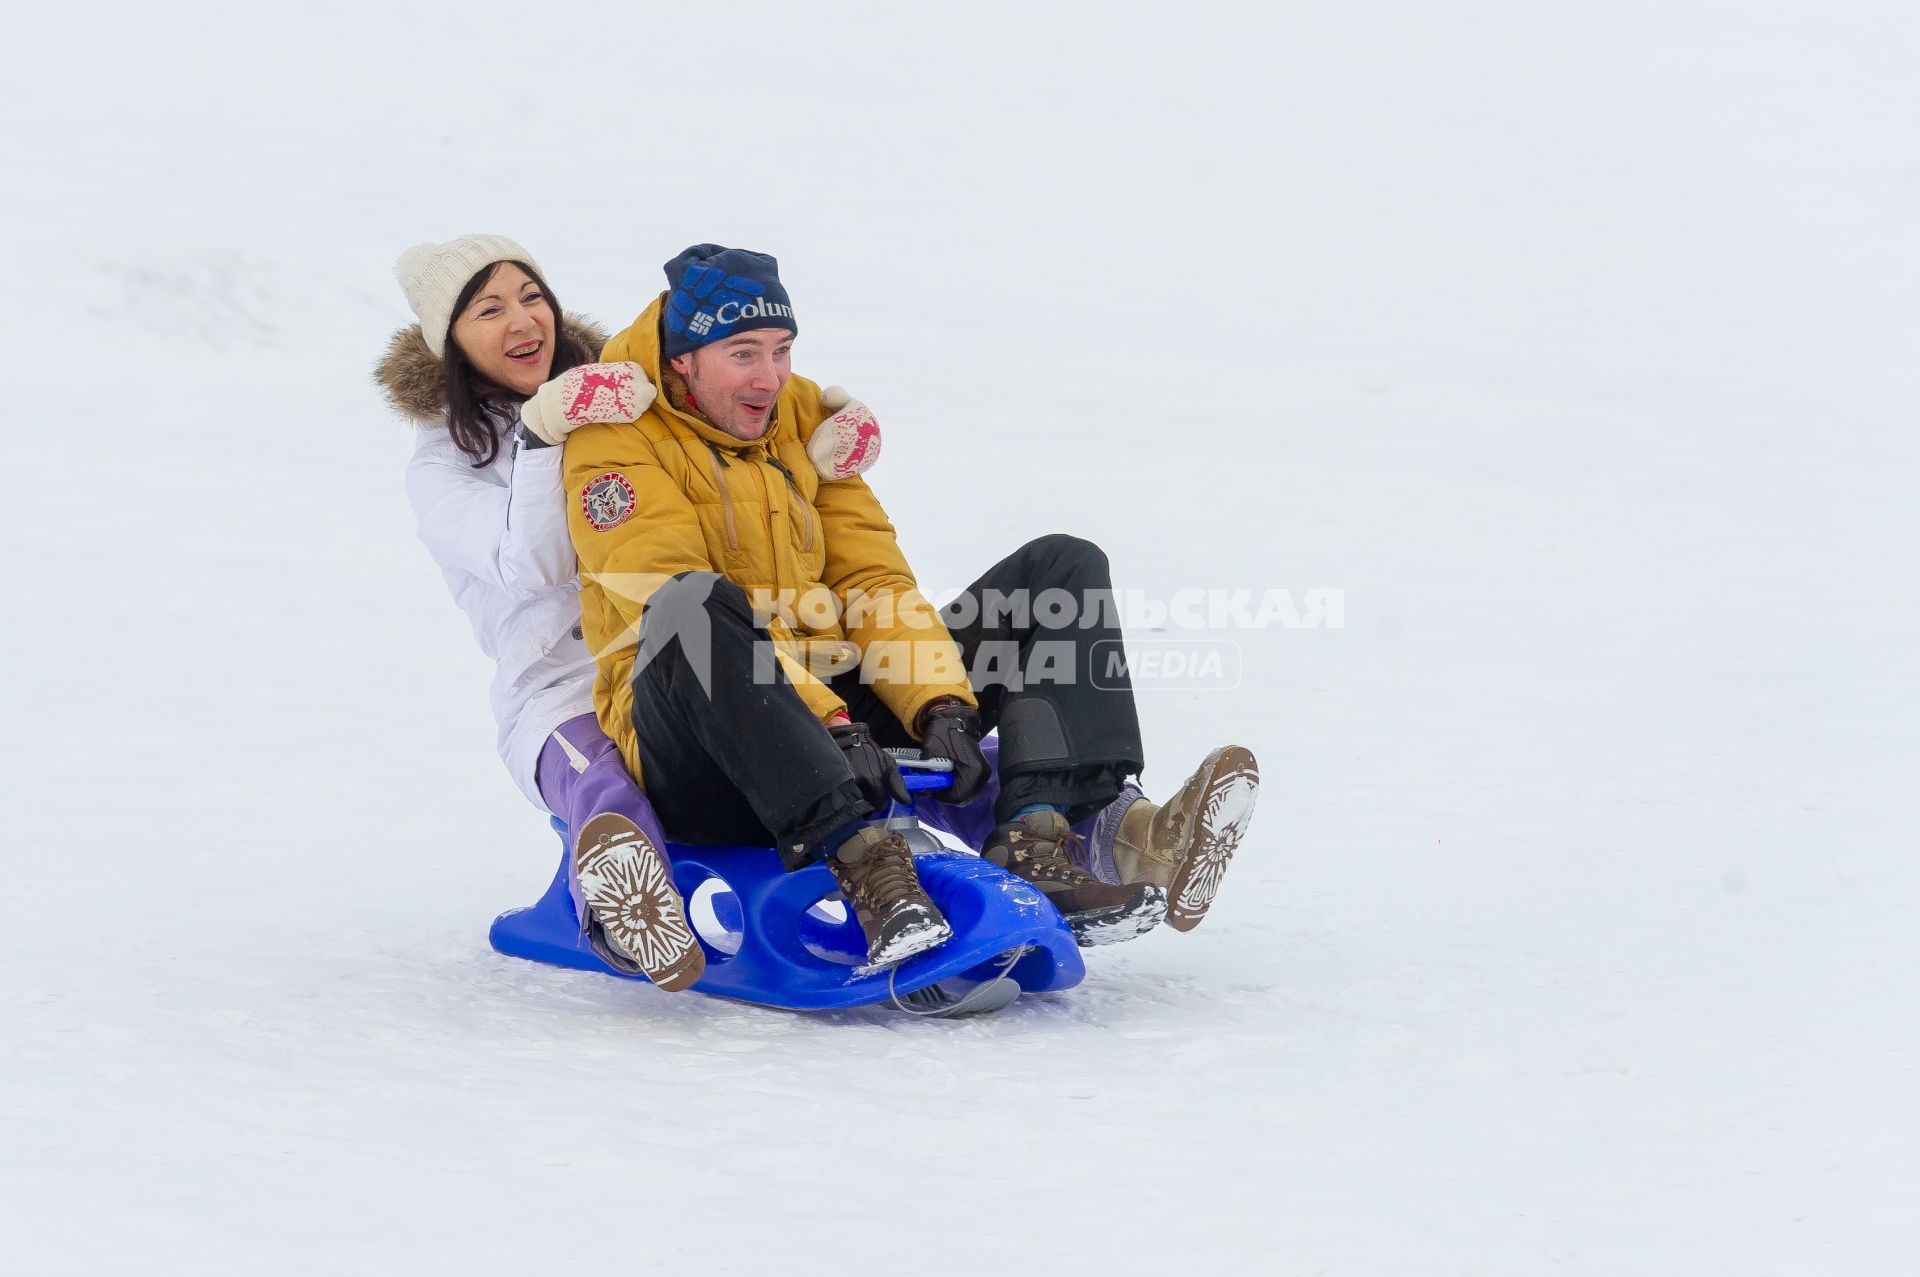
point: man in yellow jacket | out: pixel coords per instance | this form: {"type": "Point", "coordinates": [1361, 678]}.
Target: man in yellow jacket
{"type": "Point", "coordinates": [760, 637]}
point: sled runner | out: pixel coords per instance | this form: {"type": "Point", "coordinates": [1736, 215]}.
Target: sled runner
{"type": "Point", "coordinates": [783, 939]}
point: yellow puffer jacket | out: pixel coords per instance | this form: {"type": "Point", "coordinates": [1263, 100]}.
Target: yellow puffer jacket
{"type": "Point", "coordinates": [672, 493]}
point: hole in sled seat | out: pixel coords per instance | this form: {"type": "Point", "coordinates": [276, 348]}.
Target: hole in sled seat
{"type": "Point", "coordinates": [714, 910]}
{"type": "Point", "coordinates": [828, 930]}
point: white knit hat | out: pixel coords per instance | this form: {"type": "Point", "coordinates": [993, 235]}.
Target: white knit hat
{"type": "Point", "coordinates": [432, 275]}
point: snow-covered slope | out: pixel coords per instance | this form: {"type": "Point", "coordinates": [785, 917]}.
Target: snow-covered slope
{"type": "Point", "coordinates": [1577, 349]}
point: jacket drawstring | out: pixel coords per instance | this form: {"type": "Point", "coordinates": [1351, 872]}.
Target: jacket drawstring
{"type": "Point", "coordinates": [726, 495]}
{"type": "Point", "coordinates": [799, 497]}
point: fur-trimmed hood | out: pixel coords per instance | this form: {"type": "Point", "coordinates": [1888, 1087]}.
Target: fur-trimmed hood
{"type": "Point", "coordinates": [414, 380]}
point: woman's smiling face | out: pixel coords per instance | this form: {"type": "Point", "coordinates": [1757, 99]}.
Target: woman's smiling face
{"type": "Point", "coordinates": [506, 331]}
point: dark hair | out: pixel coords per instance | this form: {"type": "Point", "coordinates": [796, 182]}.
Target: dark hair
{"type": "Point", "coordinates": [470, 395]}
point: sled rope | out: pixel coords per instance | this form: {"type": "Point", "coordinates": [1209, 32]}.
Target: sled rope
{"type": "Point", "coordinates": [1014, 956]}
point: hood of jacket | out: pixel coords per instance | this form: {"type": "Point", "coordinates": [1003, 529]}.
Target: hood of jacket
{"type": "Point", "coordinates": [640, 342]}
{"type": "Point", "coordinates": [414, 380]}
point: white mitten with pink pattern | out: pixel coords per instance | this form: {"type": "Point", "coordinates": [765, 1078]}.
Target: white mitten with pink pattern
{"type": "Point", "coordinates": [589, 395]}
{"type": "Point", "coordinates": [847, 442]}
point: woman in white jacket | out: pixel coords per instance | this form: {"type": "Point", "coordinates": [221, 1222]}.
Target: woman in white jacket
{"type": "Point", "coordinates": [485, 485]}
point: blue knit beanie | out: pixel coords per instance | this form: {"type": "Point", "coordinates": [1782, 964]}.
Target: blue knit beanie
{"type": "Point", "coordinates": [715, 292]}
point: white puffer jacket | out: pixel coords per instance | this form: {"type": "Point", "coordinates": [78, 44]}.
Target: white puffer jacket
{"type": "Point", "coordinates": [499, 535]}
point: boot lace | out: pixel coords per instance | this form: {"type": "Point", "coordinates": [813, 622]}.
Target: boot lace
{"type": "Point", "coordinates": [1051, 859]}
{"type": "Point", "coordinates": [885, 875]}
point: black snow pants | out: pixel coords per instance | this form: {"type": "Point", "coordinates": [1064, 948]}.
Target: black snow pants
{"type": "Point", "coordinates": [739, 757]}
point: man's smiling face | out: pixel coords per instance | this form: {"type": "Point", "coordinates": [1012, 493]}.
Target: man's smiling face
{"type": "Point", "coordinates": [734, 382]}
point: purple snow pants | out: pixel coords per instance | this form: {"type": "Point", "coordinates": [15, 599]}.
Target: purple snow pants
{"type": "Point", "coordinates": [581, 775]}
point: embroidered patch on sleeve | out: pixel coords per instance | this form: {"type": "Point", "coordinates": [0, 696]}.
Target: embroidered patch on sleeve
{"type": "Point", "coordinates": [607, 501]}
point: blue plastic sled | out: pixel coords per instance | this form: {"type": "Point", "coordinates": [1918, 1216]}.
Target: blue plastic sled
{"type": "Point", "coordinates": [776, 938]}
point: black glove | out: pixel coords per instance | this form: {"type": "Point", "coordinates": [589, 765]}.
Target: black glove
{"type": "Point", "coordinates": [874, 770]}
{"type": "Point", "coordinates": [951, 730]}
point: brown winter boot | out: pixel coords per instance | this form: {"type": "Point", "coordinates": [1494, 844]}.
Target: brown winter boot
{"type": "Point", "coordinates": [874, 869]}
{"type": "Point", "coordinates": [1185, 844]}
{"type": "Point", "coordinates": [1043, 849]}
{"type": "Point", "coordinates": [631, 898]}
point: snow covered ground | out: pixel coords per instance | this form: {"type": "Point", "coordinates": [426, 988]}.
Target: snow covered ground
{"type": "Point", "coordinates": [1575, 344]}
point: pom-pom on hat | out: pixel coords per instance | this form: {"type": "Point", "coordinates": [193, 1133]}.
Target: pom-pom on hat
{"type": "Point", "coordinates": [716, 292]}
{"type": "Point", "coordinates": [432, 275]}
